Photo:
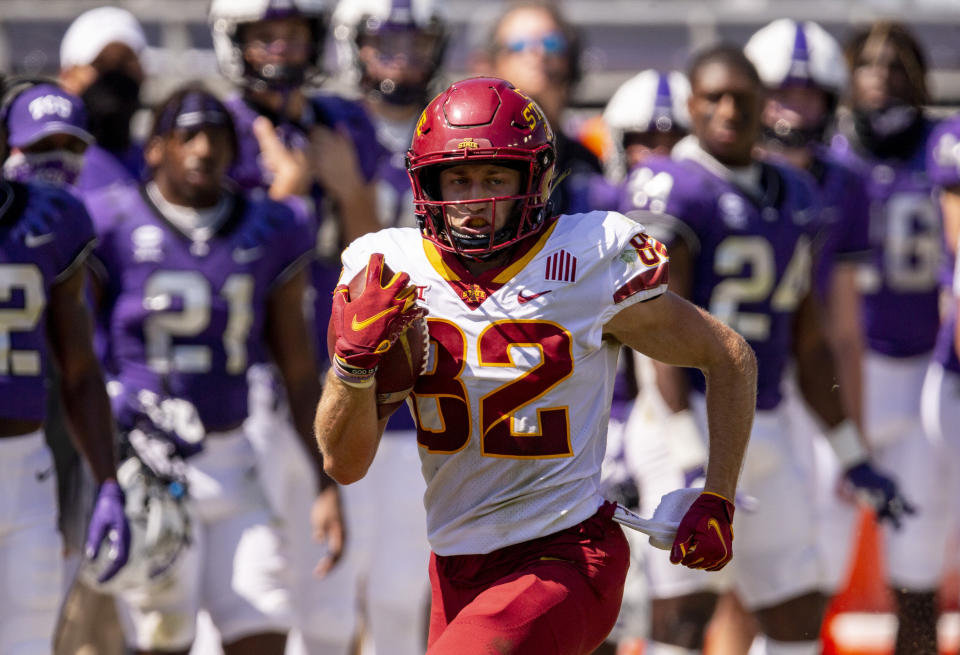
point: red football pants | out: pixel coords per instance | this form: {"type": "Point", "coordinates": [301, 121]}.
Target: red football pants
{"type": "Point", "coordinates": [556, 595]}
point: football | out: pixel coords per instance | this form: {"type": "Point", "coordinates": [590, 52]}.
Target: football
{"type": "Point", "coordinates": [402, 364]}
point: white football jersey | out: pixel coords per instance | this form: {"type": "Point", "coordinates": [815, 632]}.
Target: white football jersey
{"type": "Point", "coordinates": [512, 410]}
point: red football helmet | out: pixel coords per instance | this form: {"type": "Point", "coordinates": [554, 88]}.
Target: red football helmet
{"type": "Point", "coordinates": [481, 120]}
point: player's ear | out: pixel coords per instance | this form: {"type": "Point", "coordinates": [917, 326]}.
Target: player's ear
{"type": "Point", "coordinates": [153, 152]}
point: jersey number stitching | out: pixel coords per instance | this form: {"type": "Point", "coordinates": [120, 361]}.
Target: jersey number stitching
{"type": "Point", "coordinates": [442, 406]}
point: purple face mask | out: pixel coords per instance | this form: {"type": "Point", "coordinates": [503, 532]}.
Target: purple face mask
{"type": "Point", "coordinates": [56, 167]}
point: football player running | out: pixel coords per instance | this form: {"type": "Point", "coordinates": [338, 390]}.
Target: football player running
{"type": "Point", "coordinates": [45, 238]}
{"type": "Point", "coordinates": [885, 135]}
{"type": "Point", "coordinates": [527, 313]}
{"type": "Point", "coordinates": [198, 282]}
{"type": "Point", "coordinates": [741, 230]}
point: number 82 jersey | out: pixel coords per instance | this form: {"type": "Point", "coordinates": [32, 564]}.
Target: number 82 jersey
{"type": "Point", "coordinates": [512, 410]}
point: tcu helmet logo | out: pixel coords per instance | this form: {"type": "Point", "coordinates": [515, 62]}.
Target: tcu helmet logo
{"type": "Point", "coordinates": [50, 105]}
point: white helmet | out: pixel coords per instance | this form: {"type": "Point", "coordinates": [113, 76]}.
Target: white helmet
{"type": "Point", "coordinates": [356, 20]}
{"type": "Point", "coordinates": [159, 531]}
{"type": "Point", "coordinates": [650, 101]}
{"type": "Point", "coordinates": [227, 17]}
{"type": "Point", "coordinates": [788, 53]}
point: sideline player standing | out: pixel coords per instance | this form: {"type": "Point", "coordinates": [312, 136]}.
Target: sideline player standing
{"type": "Point", "coordinates": [741, 230]}
{"type": "Point", "coordinates": [198, 283]}
{"type": "Point", "coordinates": [646, 115]}
{"type": "Point", "coordinates": [534, 46]}
{"type": "Point", "coordinates": [317, 153]}
{"type": "Point", "coordinates": [45, 237]}
{"type": "Point", "coordinates": [390, 51]}
{"type": "Point", "coordinates": [885, 136]}
{"type": "Point", "coordinates": [512, 413]}
{"type": "Point", "coordinates": [940, 399]}
{"type": "Point", "coordinates": [100, 62]}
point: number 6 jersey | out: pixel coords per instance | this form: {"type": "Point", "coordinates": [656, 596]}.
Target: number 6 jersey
{"type": "Point", "coordinates": [512, 411]}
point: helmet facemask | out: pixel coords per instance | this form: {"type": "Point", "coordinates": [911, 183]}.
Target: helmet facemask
{"type": "Point", "coordinates": [398, 61]}
{"type": "Point", "coordinates": [482, 121]}
{"type": "Point", "coordinates": [527, 214]}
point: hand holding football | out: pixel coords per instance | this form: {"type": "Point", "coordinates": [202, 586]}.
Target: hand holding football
{"type": "Point", "coordinates": [402, 363]}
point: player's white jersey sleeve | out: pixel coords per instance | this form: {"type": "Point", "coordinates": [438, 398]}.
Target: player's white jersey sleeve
{"type": "Point", "coordinates": [513, 408]}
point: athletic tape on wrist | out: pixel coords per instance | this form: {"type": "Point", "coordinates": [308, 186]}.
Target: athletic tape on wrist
{"type": "Point", "coordinates": [847, 444]}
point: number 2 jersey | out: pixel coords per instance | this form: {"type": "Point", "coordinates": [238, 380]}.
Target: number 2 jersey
{"type": "Point", "coordinates": [512, 411]}
{"type": "Point", "coordinates": [45, 234]}
{"type": "Point", "coordinates": [190, 310]}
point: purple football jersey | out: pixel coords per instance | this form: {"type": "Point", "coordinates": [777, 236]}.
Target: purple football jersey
{"type": "Point", "coordinates": [188, 316]}
{"type": "Point", "coordinates": [943, 166]}
{"type": "Point", "coordinates": [45, 233]}
{"type": "Point", "coordinates": [845, 218]}
{"type": "Point", "coordinates": [102, 168]}
{"type": "Point", "coordinates": [751, 256]}
{"type": "Point", "coordinates": [248, 172]}
{"type": "Point", "coordinates": [899, 284]}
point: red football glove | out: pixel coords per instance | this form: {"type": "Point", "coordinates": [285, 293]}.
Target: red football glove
{"type": "Point", "coordinates": [705, 536]}
{"type": "Point", "coordinates": [366, 326]}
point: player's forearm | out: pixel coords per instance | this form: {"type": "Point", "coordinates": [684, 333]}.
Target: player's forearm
{"type": "Point", "coordinates": [731, 402]}
{"type": "Point", "coordinates": [346, 429]}
{"type": "Point", "coordinates": [673, 385]}
{"type": "Point", "coordinates": [845, 336]}
{"type": "Point", "coordinates": [303, 398]}
{"type": "Point", "coordinates": [88, 414]}
{"type": "Point", "coordinates": [817, 381]}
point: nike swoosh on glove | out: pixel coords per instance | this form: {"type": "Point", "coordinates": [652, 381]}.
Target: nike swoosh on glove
{"type": "Point", "coordinates": [109, 524]}
{"type": "Point", "coordinates": [705, 535]}
{"type": "Point", "coordinates": [880, 492]}
{"type": "Point", "coordinates": [366, 326]}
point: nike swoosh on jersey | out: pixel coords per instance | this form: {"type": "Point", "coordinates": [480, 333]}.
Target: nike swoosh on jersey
{"type": "Point", "coordinates": [524, 299]}
{"type": "Point", "coordinates": [367, 322]}
{"type": "Point", "coordinates": [37, 240]}
{"type": "Point", "coordinates": [247, 255]}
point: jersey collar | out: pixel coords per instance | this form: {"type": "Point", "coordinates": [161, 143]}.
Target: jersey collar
{"type": "Point", "coordinates": [473, 290]}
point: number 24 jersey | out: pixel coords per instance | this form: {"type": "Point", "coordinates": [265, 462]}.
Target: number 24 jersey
{"type": "Point", "coordinates": [512, 410]}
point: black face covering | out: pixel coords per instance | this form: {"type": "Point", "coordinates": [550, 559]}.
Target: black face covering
{"type": "Point", "coordinates": [111, 102]}
{"type": "Point", "coordinates": [894, 131]}
{"type": "Point", "coordinates": [791, 137]}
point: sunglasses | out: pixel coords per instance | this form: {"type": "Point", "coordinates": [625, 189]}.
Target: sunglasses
{"type": "Point", "coordinates": [553, 43]}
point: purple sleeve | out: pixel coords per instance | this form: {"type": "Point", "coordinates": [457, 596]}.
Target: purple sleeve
{"type": "Point", "coordinates": [669, 199]}
{"type": "Point", "coordinates": [57, 210]}
{"type": "Point", "coordinates": [293, 242]}
{"type": "Point", "coordinates": [342, 113]}
{"type": "Point", "coordinates": [943, 154]}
